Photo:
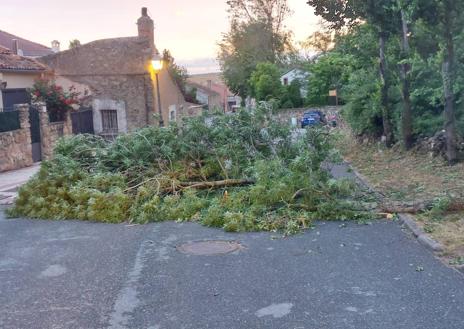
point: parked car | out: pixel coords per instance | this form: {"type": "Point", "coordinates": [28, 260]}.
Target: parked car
{"type": "Point", "coordinates": [313, 118]}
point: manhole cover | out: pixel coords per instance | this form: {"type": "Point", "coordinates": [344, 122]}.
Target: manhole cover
{"type": "Point", "coordinates": [209, 248]}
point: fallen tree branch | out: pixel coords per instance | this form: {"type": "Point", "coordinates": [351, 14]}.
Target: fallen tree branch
{"type": "Point", "coordinates": [419, 206]}
{"type": "Point", "coordinates": [216, 184]}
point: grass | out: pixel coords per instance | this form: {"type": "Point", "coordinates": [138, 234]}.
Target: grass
{"type": "Point", "coordinates": [409, 176]}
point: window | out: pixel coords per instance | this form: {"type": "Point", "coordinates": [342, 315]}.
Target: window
{"type": "Point", "coordinates": [14, 96]}
{"type": "Point", "coordinates": [285, 81]}
{"type": "Point", "coordinates": [109, 121]}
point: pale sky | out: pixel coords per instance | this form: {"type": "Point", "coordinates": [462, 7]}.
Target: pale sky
{"type": "Point", "coordinates": [191, 29]}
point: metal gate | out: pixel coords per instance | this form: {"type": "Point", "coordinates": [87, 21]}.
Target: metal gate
{"type": "Point", "coordinates": [35, 134]}
{"type": "Point", "coordinates": [82, 121]}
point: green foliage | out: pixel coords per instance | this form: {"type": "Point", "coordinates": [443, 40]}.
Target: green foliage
{"type": "Point", "coordinates": [265, 82]}
{"type": "Point", "coordinates": [328, 72]}
{"type": "Point", "coordinates": [74, 44]}
{"type": "Point", "coordinates": [177, 72]}
{"type": "Point", "coordinates": [292, 97]}
{"type": "Point", "coordinates": [146, 176]}
{"type": "Point", "coordinates": [422, 72]}
{"type": "Point", "coordinates": [362, 97]}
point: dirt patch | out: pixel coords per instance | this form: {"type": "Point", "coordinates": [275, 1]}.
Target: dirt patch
{"type": "Point", "coordinates": [412, 176]}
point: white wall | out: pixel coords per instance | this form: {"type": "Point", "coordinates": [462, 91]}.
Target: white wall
{"type": "Point", "coordinates": [109, 104]}
{"type": "Point", "coordinates": [297, 74]}
{"type": "Point", "coordinates": [17, 80]}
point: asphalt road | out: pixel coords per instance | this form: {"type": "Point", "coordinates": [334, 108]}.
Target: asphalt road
{"type": "Point", "coordinates": [85, 275]}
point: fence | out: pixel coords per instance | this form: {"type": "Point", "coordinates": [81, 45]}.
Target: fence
{"type": "Point", "coordinates": [9, 121]}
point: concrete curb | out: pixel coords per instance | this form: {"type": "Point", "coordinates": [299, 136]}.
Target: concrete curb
{"type": "Point", "coordinates": [421, 236]}
{"type": "Point", "coordinates": [405, 219]}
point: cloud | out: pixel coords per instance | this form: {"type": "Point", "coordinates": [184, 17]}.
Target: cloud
{"type": "Point", "coordinates": [200, 65]}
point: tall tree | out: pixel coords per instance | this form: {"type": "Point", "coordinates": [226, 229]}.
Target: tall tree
{"type": "Point", "coordinates": [321, 41]}
{"type": "Point", "coordinates": [257, 34]}
{"type": "Point", "coordinates": [446, 18]}
{"type": "Point", "coordinates": [343, 13]}
{"type": "Point", "coordinates": [265, 82]}
{"type": "Point", "coordinates": [406, 117]}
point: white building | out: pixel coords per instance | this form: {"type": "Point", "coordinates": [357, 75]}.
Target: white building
{"type": "Point", "coordinates": [296, 74]}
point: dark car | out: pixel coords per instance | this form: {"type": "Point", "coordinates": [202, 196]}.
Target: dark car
{"type": "Point", "coordinates": [313, 118]}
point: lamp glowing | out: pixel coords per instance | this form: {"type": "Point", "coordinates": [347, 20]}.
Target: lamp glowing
{"type": "Point", "coordinates": [157, 63]}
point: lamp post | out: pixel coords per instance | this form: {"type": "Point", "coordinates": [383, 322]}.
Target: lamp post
{"type": "Point", "coordinates": [157, 65]}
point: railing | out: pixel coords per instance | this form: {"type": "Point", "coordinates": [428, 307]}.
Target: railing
{"type": "Point", "coordinates": [9, 121]}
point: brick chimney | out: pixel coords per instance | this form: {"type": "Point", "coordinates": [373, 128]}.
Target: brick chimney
{"type": "Point", "coordinates": [15, 46]}
{"type": "Point", "coordinates": [55, 46]}
{"type": "Point", "coordinates": [146, 27]}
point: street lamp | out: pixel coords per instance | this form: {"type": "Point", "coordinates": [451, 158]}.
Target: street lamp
{"type": "Point", "coordinates": [157, 65]}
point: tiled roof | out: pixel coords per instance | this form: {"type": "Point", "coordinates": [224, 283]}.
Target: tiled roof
{"type": "Point", "coordinates": [12, 62]}
{"type": "Point", "coordinates": [28, 48]}
{"type": "Point", "coordinates": [203, 88]}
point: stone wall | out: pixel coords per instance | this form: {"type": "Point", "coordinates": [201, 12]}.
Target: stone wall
{"type": "Point", "coordinates": [50, 132]}
{"type": "Point", "coordinates": [15, 146]}
{"type": "Point", "coordinates": [286, 115]}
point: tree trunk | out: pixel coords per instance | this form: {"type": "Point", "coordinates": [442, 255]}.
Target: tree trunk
{"type": "Point", "coordinates": [386, 118]}
{"type": "Point", "coordinates": [406, 118]}
{"type": "Point", "coordinates": [216, 184]}
{"type": "Point", "coordinates": [448, 80]}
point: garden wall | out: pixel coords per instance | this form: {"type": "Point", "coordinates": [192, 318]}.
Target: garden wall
{"type": "Point", "coordinates": [286, 115]}
{"type": "Point", "coordinates": [15, 146]}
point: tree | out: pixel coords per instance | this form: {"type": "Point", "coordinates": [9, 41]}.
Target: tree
{"type": "Point", "coordinates": [406, 118]}
{"type": "Point", "coordinates": [74, 43]}
{"type": "Point", "coordinates": [321, 41]}
{"type": "Point", "coordinates": [328, 72]}
{"type": "Point", "coordinates": [446, 18]}
{"type": "Point", "coordinates": [272, 13]}
{"type": "Point", "coordinates": [257, 34]}
{"type": "Point", "coordinates": [292, 95]}
{"type": "Point", "coordinates": [379, 13]}
{"type": "Point", "coordinates": [265, 82]}
{"type": "Point", "coordinates": [178, 73]}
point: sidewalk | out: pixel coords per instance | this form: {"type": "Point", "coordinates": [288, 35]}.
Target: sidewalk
{"type": "Point", "coordinates": [10, 181]}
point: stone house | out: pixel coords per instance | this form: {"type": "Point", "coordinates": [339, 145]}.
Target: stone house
{"type": "Point", "coordinates": [120, 79]}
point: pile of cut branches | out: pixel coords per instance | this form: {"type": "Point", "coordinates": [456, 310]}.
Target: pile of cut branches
{"type": "Point", "coordinates": [241, 172]}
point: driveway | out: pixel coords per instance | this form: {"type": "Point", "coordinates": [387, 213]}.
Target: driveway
{"type": "Point", "coordinates": [10, 181]}
{"type": "Point", "coordinates": [85, 275]}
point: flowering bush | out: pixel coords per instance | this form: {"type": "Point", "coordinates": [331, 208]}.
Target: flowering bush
{"type": "Point", "coordinates": [58, 100]}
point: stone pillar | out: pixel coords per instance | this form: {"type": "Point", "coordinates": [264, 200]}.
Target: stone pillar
{"type": "Point", "coordinates": [44, 119]}
{"type": "Point", "coordinates": [67, 128]}
{"type": "Point", "coordinates": [23, 110]}
{"type": "Point", "coordinates": [23, 139]}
